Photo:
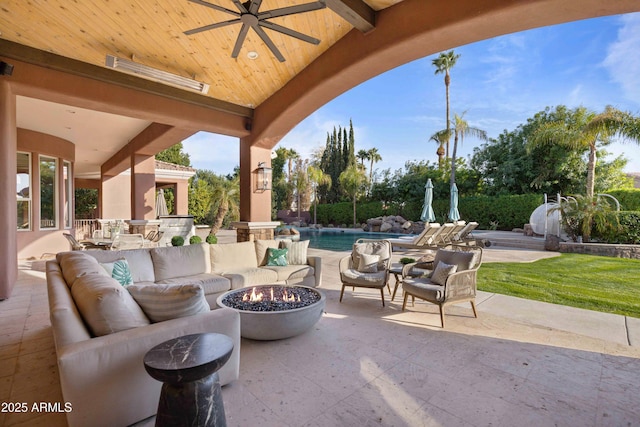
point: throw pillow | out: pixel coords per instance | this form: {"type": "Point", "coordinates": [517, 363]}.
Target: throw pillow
{"type": "Point", "coordinates": [277, 257]}
{"type": "Point", "coordinates": [442, 271]}
{"type": "Point", "coordinates": [297, 254]}
{"type": "Point", "coordinates": [167, 301]}
{"type": "Point", "coordinates": [368, 263]}
{"type": "Point", "coordinates": [119, 270]}
{"type": "Point", "coordinates": [105, 306]}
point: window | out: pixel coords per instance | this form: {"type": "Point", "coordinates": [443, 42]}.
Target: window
{"type": "Point", "coordinates": [23, 191]}
{"type": "Point", "coordinates": [68, 213]}
{"type": "Point", "coordinates": [48, 196]}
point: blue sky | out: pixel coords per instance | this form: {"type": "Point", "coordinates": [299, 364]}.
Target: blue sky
{"type": "Point", "coordinates": [500, 83]}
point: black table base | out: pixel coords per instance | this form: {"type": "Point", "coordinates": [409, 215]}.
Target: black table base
{"type": "Point", "coordinates": [187, 366]}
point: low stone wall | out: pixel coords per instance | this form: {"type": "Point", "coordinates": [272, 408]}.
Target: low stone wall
{"type": "Point", "coordinates": [612, 250]}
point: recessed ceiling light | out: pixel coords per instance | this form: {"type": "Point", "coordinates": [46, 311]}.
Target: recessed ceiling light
{"type": "Point", "coordinates": [252, 55]}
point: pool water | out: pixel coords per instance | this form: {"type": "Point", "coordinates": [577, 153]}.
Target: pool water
{"type": "Point", "coordinates": [339, 240]}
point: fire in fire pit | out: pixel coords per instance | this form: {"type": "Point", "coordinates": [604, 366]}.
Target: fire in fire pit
{"type": "Point", "coordinates": [271, 298]}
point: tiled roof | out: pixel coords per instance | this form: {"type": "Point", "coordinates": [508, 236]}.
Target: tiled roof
{"type": "Point", "coordinates": [170, 166]}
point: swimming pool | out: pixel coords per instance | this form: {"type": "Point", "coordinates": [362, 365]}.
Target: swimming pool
{"type": "Point", "coordinates": [339, 240]}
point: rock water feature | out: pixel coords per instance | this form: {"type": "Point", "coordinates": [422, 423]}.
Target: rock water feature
{"type": "Point", "coordinates": [273, 312]}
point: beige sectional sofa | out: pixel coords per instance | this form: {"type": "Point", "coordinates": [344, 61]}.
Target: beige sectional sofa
{"type": "Point", "coordinates": [102, 335]}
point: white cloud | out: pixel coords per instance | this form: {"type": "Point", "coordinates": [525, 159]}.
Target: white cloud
{"type": "Point", "coordinates": [623, 58]}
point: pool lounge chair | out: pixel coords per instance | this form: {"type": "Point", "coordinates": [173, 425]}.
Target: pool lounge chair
{"type": "Point", "coordinates": [429, 238]}
{"type": "Point", "coordinates": [464, 237]}
{"type": "Point", "coordinates": [446, 238]}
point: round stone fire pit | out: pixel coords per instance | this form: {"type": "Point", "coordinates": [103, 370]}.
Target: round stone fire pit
{"type": "Point", "coordinates": [274, 312]}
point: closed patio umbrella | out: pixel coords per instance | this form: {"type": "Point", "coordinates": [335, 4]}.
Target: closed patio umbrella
{"type": "Point", "coordinates": [161, 204]}
{"type": "Point", "coordinates": [427, 210]}
{"type": "Point", "coordinates": [454, 215]}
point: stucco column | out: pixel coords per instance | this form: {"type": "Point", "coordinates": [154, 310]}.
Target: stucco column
{"type": "Point", "coordinates": [181, 198]}
{"type": "Point", "coordinates": [143, 187]}
{"type": "Point", "coordinates": [8, 211]}
{"type": "Point", "coordinates": [255, 206]}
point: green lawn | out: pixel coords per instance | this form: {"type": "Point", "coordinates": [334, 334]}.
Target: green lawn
{"type": "Point", "coordinates": [611, 285]}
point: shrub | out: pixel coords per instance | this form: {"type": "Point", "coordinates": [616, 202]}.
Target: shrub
{"type": "Point", "coordinates": [194, 240]}
{"type": "Point", "coordinates": [406, 260]}
{"type": "Point", "coordinates": [627, 233]}
{"type": "Point", "coordinates": [211, 239]}
{"type": "Point", "coordinates": [177, 241]}
{"type": "Point", "coordinates": [629, 199]}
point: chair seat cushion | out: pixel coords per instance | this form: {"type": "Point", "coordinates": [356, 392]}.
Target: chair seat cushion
{"type": "Point", "coordinates": [423, 288]}
{"type": "Point", "coordinates": [353, 277]}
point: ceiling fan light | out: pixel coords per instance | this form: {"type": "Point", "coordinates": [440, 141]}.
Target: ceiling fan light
{"type": "Point", "coordinates": [155, 74]}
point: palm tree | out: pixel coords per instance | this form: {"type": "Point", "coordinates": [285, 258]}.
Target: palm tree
{"type": "Point", "coordinates": [580, 215]}
{"type": "Point", "coordinates": [589, 131]}
{"type": "Point", "coordinates": [317, 178]}
{"type": "Point", "coordinates": [441, 137]}
{"type": "Point", "coordinates": [443, 63]}
{"type": "Point", "coordinates": [461, 129]}
{"type": "Point", "coordinates": [374, 157]}
{"type": "Point", "coordinates": [353, 181]}
{"type": "Point", "coordinates": [362, 155]}
{"type": "Point", "coordinates": [226, 193]}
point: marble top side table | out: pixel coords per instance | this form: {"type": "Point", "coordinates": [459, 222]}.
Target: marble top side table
{"type": "Point", "coordinates": [187, 366]}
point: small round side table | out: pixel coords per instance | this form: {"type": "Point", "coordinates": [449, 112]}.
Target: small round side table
{"type": "Point", "coordinates": [188, 368]}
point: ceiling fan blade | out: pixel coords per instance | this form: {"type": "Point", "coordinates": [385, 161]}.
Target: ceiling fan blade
{"type": "Point", "coordinates": [267, 40]}
{"type": "Point", "coordinates": [255, 5]}
{"type": "Point", "coordinates": [241, 36]}
{"type": "Point", "coordinates": [211, 27]}
{"type": "Point", "coordinates": [240, 6]}
{"type": "Point", "coordinates": [291, 10]}
{"type": "Point", "coordinates": [214, 6]}
{"type": "Point", "coordinates": [289, 32]}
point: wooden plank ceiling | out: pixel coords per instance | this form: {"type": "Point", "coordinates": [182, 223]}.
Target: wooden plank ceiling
{"type": "Point", "coordinates": [151, 32]}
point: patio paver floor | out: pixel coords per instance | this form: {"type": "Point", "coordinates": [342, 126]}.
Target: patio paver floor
{"type": "Point", "coordinates": [520, 363]}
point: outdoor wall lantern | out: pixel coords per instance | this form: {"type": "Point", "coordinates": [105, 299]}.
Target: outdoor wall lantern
{"type": "Point", "coordinates": [263, 177]}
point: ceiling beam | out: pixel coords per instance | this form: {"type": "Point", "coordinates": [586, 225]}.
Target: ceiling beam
{"type": "Point", "coordinates": [82, 69]}
{"type": "Point", "coordinates": [356, 12]}
{"type": "Point", "coordinates": [153, 139]}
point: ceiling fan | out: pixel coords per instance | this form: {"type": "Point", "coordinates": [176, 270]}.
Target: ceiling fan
{"type": "Point", "coordinates": [248, 14]}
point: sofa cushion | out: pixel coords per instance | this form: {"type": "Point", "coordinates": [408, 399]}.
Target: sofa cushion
{"type": "Point", "coordinates": [261, 250]}
{"type": "Point", "coordinates": [139, 260]}
{"type": "Point", "coordinates": [77, 264]}
{"type": "Point", "coordinates": [211, 283]}
{"type": "Point", "coordinates": [180, 261]}
{"type": "Point", "coordinates": [290, 272]}
{"type": "Point", "coordinates": [105, 305]}
{"type": "Point", "coordinates": [251, 276]}
{"type": "Point", "coordinates": [231, 257]}
{"type": "Point", "coordinates": [297, 254]}
{"type": "Point", "coordinates": [168, 301]}
{"type": "Point", "coordinates": [118, 270]}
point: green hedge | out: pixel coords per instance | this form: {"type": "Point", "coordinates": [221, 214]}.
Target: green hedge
{"type": "Point", "coordinates": [508, 211]}
{"type": "Point", "coordinates": [627, 233]}
{"type": "Point", "coordinates": [342, 213]}
{"type": "Point", "coordinates": [629, 199]}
